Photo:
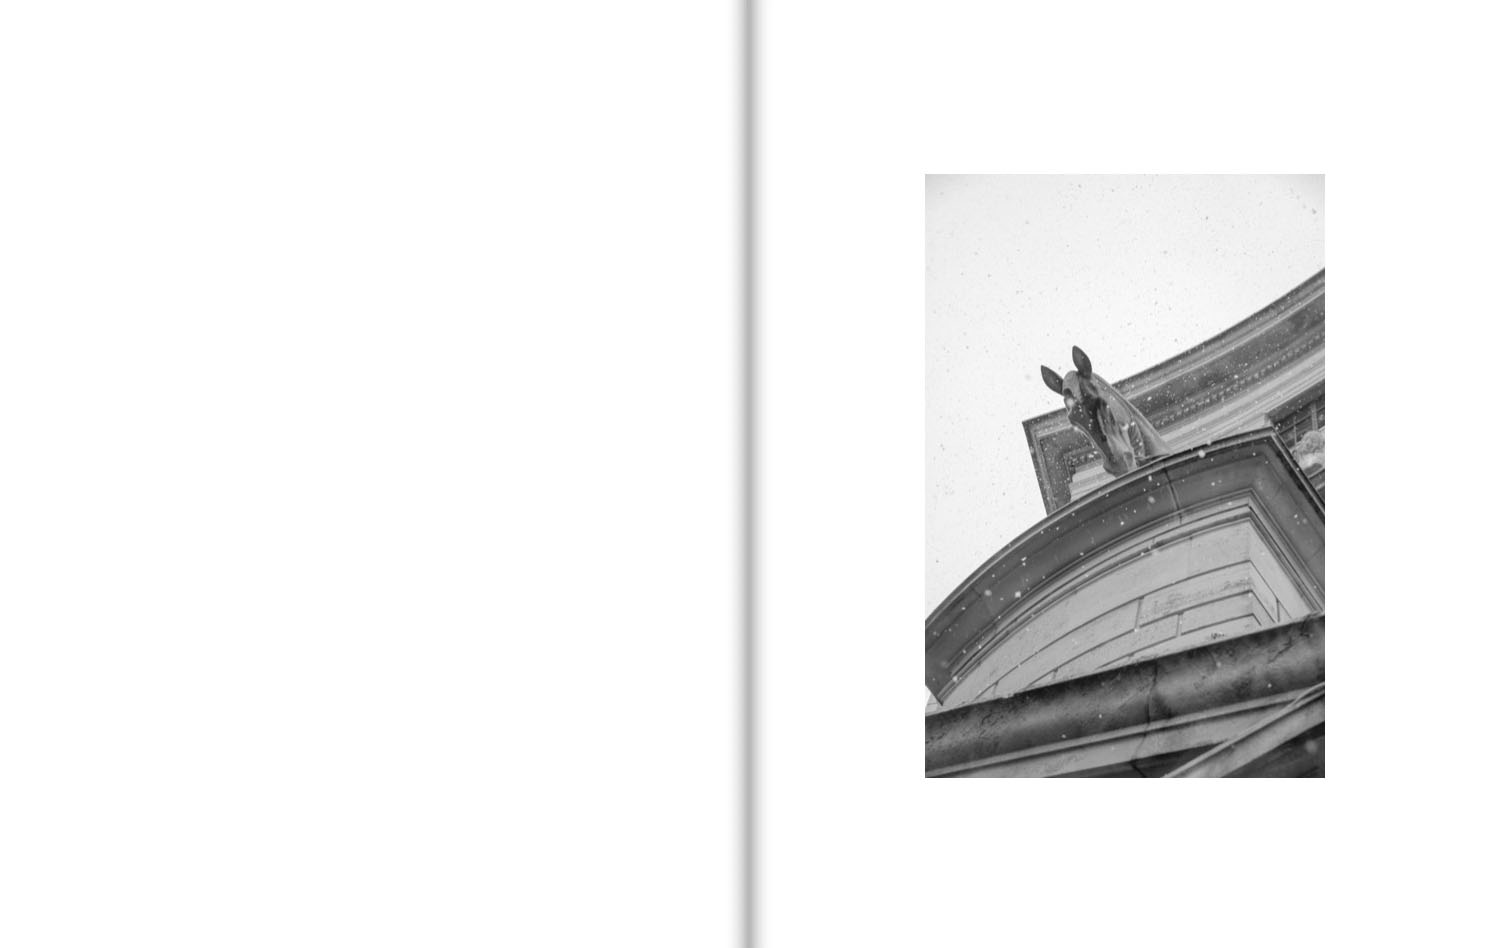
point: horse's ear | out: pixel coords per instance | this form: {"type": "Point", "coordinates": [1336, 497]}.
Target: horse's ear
{"type": "Point", "coordinates": [1052, 380]}
{"type": "Point", "coordinates": [1082, 362]}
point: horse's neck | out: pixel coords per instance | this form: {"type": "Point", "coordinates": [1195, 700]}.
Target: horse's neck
{"type": "Point", "coordinates": [1133, 413]}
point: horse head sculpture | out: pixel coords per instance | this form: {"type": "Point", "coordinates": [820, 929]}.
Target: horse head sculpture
{"type": "Point", "coordinates": [1123, 435]}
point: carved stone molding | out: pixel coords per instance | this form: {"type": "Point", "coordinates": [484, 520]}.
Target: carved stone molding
{"type": "Point", "coordinates": [1227, 384]}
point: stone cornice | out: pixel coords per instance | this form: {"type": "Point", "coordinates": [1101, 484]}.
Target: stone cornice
{"type": "Point", "coordinates": [1208, 377]}
{"type": "Point", "coordinates": [1060, 550]}
{"type": "Point", "coordinates": [1145, 695]}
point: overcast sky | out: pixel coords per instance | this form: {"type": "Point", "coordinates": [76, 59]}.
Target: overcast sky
{"type": "Point", "coordinates": [1018, 269]}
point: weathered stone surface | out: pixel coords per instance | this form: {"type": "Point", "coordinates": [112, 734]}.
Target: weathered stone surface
{"type": "Point", "coordinates": [1309, 452]}
{"type": "Point", "coordinates": [1201, 546]}
{"type": "Point", "coordinates": [1189, 699]}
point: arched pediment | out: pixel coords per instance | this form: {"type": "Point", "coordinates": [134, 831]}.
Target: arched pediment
{"type": "Point", "coordinates": [1207, 543]}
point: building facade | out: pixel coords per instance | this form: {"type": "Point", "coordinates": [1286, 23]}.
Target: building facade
{"type": "Point", "coordinates": [1169, 621]}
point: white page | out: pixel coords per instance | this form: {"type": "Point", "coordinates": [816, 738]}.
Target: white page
{"type": "Point", "coordinates": [860, 103]}
{"type": "Point", "coordinates": [371, 474]}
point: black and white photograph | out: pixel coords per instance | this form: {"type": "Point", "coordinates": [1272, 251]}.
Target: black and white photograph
{"type": "Point", "coordinates": [1125, 476]}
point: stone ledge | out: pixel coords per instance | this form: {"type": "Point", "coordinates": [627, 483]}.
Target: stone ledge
{"type": "Point", "coordinates": [1274, 661]}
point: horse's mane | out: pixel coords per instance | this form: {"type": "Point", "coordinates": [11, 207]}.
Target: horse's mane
{"type": "Point", "coordinates": [1125, 412]}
